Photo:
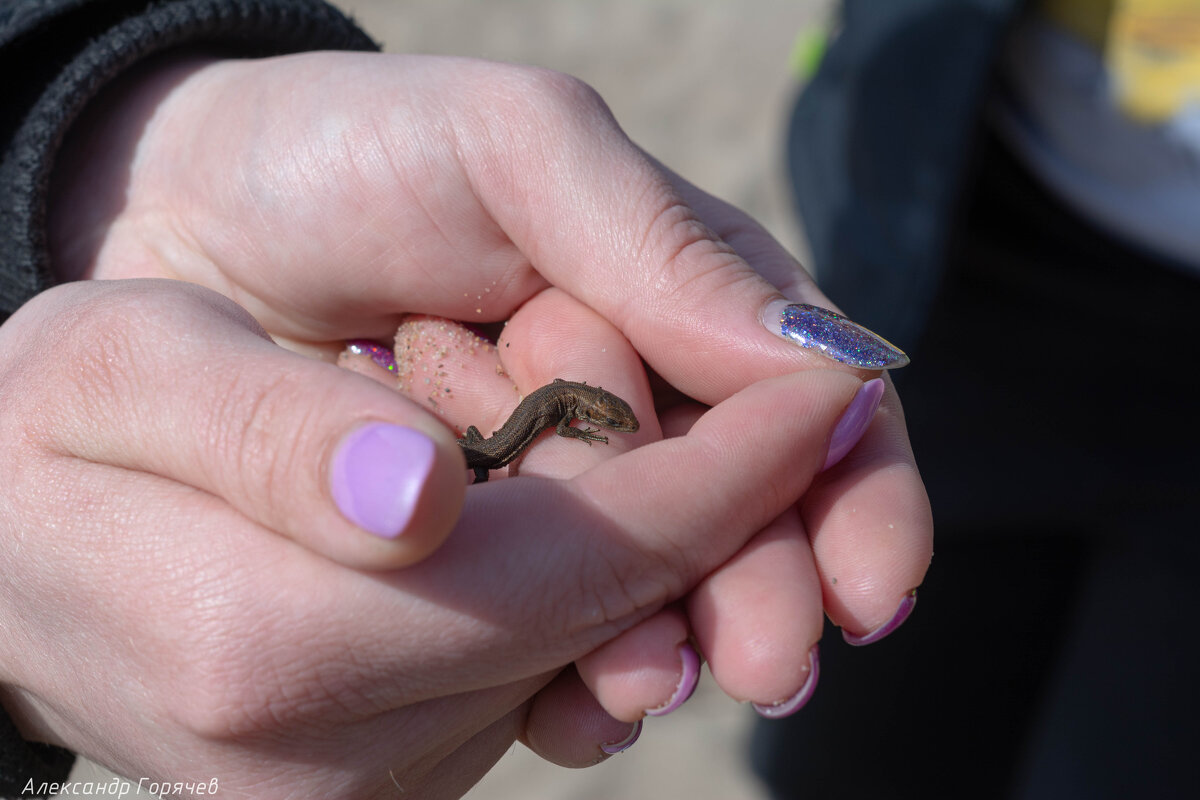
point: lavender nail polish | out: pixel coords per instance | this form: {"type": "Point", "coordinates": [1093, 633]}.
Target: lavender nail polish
{"type": "Point", "coordinates": [377, 474]}
{"type": "Point", "coordinates": [797, 701]}
{"type": "Point", "coordinates": [906, 607]}
{"type": "Point", "coordinates": [854, 421]}
{"type": "Point", "coordinates": [383, 356]}
{"type": "Point", "coordinates": [689, 677]}
{"type": "Point", "coordinates": [832, 335]}
{"type": "Point", "coordinates": [612, 748]}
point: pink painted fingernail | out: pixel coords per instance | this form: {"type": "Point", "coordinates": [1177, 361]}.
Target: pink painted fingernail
{"type": "Point", "coordinates": [786, 708]}
{"type": "Point", "coordinates": [689, 677]}
{"type": "Point", "coordinates": [612, 748]}
{"type": "Point", "coordinates": [383, 356]}
{"type": "Point", "coordinates": [377, 474]}
{"type": "Point", "coordinates": [906, 607]}
{"type": "Point", "coordinates": [854, 421]}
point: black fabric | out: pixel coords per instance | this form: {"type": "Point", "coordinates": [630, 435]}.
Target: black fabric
{"type": "Point", "coordinates": [878, 145]}
{"type": "Point", "coordinates": [56, 55]}
{"type": "Point", "coordinates": [23, 763]}
{"type": "Point", "coordinates": [1049, 658]}
{"type": "Point", "coordinates": [1049, 402]}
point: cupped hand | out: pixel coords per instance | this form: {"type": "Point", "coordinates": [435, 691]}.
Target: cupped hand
{"type": "Point", "coordinates": [160, 530]}
{"type": "Point", "coordinates": [756, 619]}
{"type": "Point", "coordinates": [330, 193]}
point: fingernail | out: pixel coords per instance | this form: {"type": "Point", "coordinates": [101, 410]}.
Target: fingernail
{"type": "Point", "coordinates": [377, 474]}
{"type": "Point", "coordinates": [854, 421]}
{"type": "Point", "coordinates": [612, 748]}
{"type": "Point", "coordinates": [383, 356]}
{"type": "Point", "coordinates": [832, 335]}
{"type": "Point", "coordinates": [689, 677]}
{"type": "Point", "coordinates": [906, 607]}
{"type": "Point", "coordinates": [797, 701]}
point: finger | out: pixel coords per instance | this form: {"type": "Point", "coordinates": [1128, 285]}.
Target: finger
{"type": "Point", "coordinates": [868, 522]}
{"type": "Point", "coordinates": [871, 530]}
{"type": "Point", "coordinates": [170, 379]}
{"type": "Point", "coordinates": [566, 726]}
{"type": "Point", "coordinates": [472, 222]}
{"type": "Point", "coordinates": [650, 669]}
{"type": "Point", "coordinates": [751, 241]}
{"type": "Point", "coordinates": [453, 372]}
{"type": "Point", "coordinates": [555, 336]}
{"type": "Point", "coordinates": [656, 266]}
{"type": "Point", "coordinates": [618, 543]}
{"type": "Point", "coordinates": [758, 619]}
{"type": "Point", "coordinates": [469, 382]}
{"type": "Point", "coordinates": [872, 527]}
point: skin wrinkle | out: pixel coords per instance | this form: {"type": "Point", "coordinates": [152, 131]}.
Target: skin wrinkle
{"type": "Point", "coordinates": [616, 601]}
{"type": "Point", "coordinates": [521, 269]}
{"type": "Point", "coordinates": [232, 667]}
{"type": "Point", "coordinates": [236, 430]}
{"type": "Point", "coordinates": [645, 562]}
{"type": "Point", "coordinates": [563, 105]}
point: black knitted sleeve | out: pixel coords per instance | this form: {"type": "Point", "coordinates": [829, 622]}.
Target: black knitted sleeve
{"type": "Point", "coordinates": [55, 55]}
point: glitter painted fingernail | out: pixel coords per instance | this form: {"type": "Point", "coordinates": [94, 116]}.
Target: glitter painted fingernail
{"type": "Point", "coordinates": [786, 708]}
{"type": "Point", "coordinates": [832, 335]}
{"type": "Point", "coordinates": [906, 607]}
{"type": "Point", "coordinates": [377, 475]}
{"type": "Point", "coordinates": [854, 421]}
{"type": "Point", "coordinates": [612, 748]}
{"type": "Point", "coordinates": [383, 356]}
{"type": "Point", "coordinates": [688, 678]}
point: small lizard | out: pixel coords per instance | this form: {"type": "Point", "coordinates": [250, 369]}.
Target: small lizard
{"type": "Point", "coordinates": [555, 404]}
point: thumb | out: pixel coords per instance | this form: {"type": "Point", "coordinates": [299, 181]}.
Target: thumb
{"type": "Point", "coordinates": [169, 379]}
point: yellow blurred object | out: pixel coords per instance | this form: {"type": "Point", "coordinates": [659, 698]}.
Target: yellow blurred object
{"type": "Point", "coordinates": [1151, 49]}
{"type": "Point", "coordinates": [1154, 54]}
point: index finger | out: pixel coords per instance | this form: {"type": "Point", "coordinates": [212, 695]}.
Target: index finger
{"type": "Point", "coordinates": [653, 255]}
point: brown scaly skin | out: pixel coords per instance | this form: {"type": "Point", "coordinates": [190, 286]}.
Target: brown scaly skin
{"type": "Point", "coordinates": [555, 404]}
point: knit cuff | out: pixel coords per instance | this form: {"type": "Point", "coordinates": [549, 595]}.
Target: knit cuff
{"type": "Point", "coordinates": [65, 52]}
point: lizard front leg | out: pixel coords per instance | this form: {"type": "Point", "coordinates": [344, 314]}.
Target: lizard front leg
{"type": "Point", "coordinates": [587, 435]}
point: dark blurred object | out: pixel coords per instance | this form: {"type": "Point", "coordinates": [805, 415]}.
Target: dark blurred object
{"type": "Point", "coordinates": [1052, 403]}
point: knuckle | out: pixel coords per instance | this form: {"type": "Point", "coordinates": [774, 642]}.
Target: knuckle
{"type": "Point", "coordinates": [684, 258]}
{"type": "Point", "coordinates": [556, 95]}
{"type": "Point", "coordinates": [71, 355]}
{"type": "Point", "coordinates": [246, 424]}
{"type": "Point", "coordinates": [266, 434]}
{"type": "Point", "coordinates": [231, 690]}
{"type": "Point", "coordinates": [543, 117]}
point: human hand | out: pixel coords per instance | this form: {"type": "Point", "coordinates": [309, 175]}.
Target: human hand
{"type": "Point", "coordinates": [330, 193]}
{"type": "Point", "coordinates": [757, 618]}
{"type": "Point", "coordinates": [162, 533]}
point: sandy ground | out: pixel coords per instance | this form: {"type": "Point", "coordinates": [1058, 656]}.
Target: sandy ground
{"type": "Point", "coordinates": [705, 86]}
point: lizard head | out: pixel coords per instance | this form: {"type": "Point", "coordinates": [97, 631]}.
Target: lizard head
{"type": "Point", "coordinates": [609, 411]}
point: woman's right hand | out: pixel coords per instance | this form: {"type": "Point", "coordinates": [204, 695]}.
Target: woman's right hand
{"type": "Point", "coordinates": [186, 598]}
